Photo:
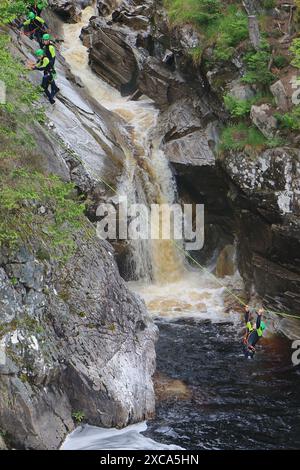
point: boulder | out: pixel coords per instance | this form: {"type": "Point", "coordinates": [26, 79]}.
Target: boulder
{"type": "Point", "coordinates": [280, 95]}
{"type": "Point", "coordinates": [89, 350]}
{"type": "Point", "coordinates": [158, 82]}
{"type": "Point", "coordinates": [106, 7]}
{"type": "Point", "coordinates": [113, 58]}
{"type": "Point", "coordinates": [69, 10]}
{"type": "Point", "coordinates": [264, 120]}
{"type": "Point", "coordinates": [240, 91]}
{"type": "Point", "coordinates": [265, 197]}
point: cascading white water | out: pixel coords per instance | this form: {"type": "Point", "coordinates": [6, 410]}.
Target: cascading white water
{"type": "Point", "coordinates": [177, 290]}
{"type": "Point", "coordinates": [149, 178]}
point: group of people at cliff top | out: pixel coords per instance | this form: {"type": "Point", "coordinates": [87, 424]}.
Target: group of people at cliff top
{"type": "Point", "coordinates": [254, 331]}
{"type": "Point", "coordinates": [36, 28]}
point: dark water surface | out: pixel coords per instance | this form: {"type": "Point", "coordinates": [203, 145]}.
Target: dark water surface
{"type": "Point", "coordinates": [236, 403]}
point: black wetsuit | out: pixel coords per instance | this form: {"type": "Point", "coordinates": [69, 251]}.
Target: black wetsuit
{"type": "Point", "coordinates": [252, 335]}
{"type": "Point", "coordinates": [45, 66]}
{"type": "Point", "coordinates": [35, 29]}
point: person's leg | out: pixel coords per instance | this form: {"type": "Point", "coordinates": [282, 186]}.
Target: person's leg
{"type": "Point", "coordinates": [45, 86]}
{"type": "Point", "coordinates": [54, 88]}
{"type": "Point", "coordinates": [252, 342]}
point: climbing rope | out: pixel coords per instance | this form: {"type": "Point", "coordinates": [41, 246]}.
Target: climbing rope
{"type": "Point", "coordinates": [178, 247]}
{"type": "Point", "coordinates": [187, 255]}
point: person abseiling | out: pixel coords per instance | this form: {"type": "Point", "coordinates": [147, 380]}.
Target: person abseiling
{"type": "Point", "coordinates": [253, 332]}
{"type": "Point", "coordinates": [44, 65]}
{"type": "Point", "coordinates": [34, 27]}
{"type": "Point", "coordinates": [49, 48]}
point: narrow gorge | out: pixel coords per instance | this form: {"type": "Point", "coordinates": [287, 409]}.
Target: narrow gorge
{"type": "Point", "coordinates": [160, 102]}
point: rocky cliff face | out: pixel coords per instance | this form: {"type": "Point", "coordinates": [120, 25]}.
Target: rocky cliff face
{"type": "Point", "coordinates": [265, 194]}
{"type": "Point", "coordinates": [74, 341]}
{"type": "Point", "coordinates": [142, 53]}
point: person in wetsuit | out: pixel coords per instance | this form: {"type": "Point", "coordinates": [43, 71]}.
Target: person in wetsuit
{"type": "Point", "coordinates": [34, 27]}
{"type": "Point", "coordinates": [49, 48]}
{"type": "Point", "coordinates": [44, 65]}
{"type": "Point", "coordinates": [253, 333]}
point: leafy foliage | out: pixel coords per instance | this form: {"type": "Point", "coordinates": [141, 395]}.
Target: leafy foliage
{"type": "Point", "coordinates": [78, 416]}
{"type": "Point", "coordinates": [291, 120]}
{"type": "Point", "coordinates": [295, 50]}
{"type": "Point", "coordinates": [10, 9]}
{"type": "Point", "coordinates": [33, 205]}
{"type": "Point", "coordinates": [280, 61]}
{"type": "Point", "coordinates": [244, 137]}
{"type": "Point", "coordinates": [21, 93]}
{"type": "Point", "coordinates": [198, 12]}
{"type": "Point", "coordinates": [241, 108]}
{"type": "Point", "coordinates": [237, 108]}
{"type": "Point", "coordinates": [196, 54]}
{"type": "Point", "coordinates": [232, 28]}
{"type": "Point", "coordinates": [257, 63]}
{"type": "Point", "coordinates": [268, 4]}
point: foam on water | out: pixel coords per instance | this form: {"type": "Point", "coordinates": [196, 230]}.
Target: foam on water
{"type": "Point", "coordinates": [130, 438]}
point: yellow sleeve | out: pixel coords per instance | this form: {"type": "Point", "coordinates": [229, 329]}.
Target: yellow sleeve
{"type": "Point", "coordinates": [38, 18]}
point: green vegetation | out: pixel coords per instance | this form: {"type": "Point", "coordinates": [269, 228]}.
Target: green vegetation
{"type": "Point", "coordinates": [223, 30]}
{"type": "Point", "coordinates": [232, 28]}
{"type": "Point", "coordinates": [78, 416]}
{"type": "Point", "coordinates": [241, 108]}
{"type": "Point", "coordinates": [197, 12]}
{"type": "Point", "coordinates": [24, 188]}
{"type": "Point", "coordinates": [257, 64]}
{"type": "Point", "coordinates": [290, 121]}
{"type": "Point", "coordinates": [295, 50]}
{"type": "Point", "coordinates": [23, 193]}
{"type": "Point", "coordinates": [26, 322]}
{"type": "Point", "coordinates": [268, 4]}
{"type": "Point", "coordinates": [224, 25]}
{"type": "Point", "coordinates": [238, 108]}
{"type": "Point", "coordinates": [280, 61]}
{"type": "Point", "coordinates": [196, 54]}
{"type": "Point", "coordinates": [297, 14]}
{"type": "Point", "coordinates": [244, 137]}
{"type": "Point", "coordinates": [10, 9]}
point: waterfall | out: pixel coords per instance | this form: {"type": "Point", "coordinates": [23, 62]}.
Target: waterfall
{"type": "Point", "coordinates": [148, 179]}
{"type": "Point", "coordinates": [170, 287]}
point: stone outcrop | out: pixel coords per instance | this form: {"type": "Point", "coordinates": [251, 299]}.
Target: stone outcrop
{"type": "Point", "coordinates": [113, 59]}
{"type": "Point", "coordinates": [262, 117]}
{"type": "Point", "coordinates": [279, 92]}
{"type": "Point", "coordinates": [265, 195]}
{"type": "Point", "coordinates": [160, 83]}
{"type": "Point", "coordinates": [263, 189]}
{"type": "Point", "coordinates": [75, 340]}
{"type": "Point", "coordinates": [69, 10]}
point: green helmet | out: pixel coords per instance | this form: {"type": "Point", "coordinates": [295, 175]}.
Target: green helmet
{"type": "Point", "coordinates": [39, 52]}
{"type": "Point", "coordinates": [263, 326]}
{"type": "Point", "coordinates": [46, 37]}
{"type": "Point", "coordinates": [31, 15]}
